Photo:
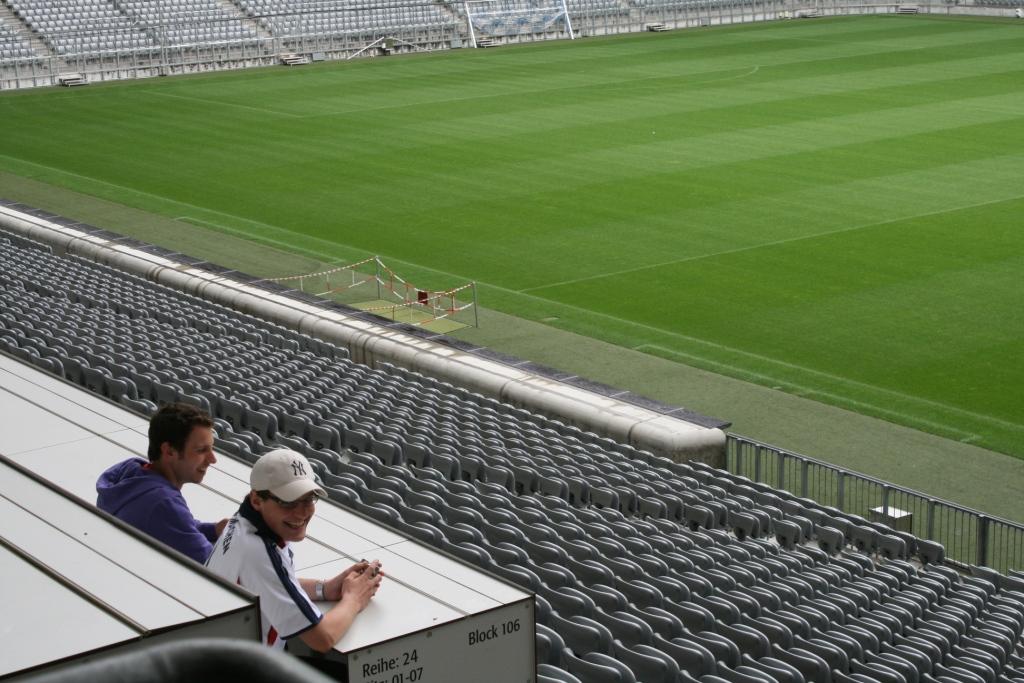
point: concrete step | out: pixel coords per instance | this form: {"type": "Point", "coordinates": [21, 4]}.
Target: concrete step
{"type": "Point", "coordinates": [294, 60]}
{"type": "Point", "coordinates": [71, 80]}
{"type": "Point", "coordinates": [246, 19]}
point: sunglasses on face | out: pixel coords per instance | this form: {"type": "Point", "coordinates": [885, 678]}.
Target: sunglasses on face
{"type": "Point", "coordinates": [292, 504]}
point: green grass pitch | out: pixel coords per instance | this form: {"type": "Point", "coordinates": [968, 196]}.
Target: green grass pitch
{"type": "Point", "coordinates": [832, 207]}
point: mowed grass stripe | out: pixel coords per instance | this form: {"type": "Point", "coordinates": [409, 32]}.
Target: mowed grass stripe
{"type": "Point", "coordinates": [816, 157]}
{"type": "Point", "coordinates": [472, 127]}
{"type": "Point", "coordinates": [865, 283]}
{"type": "Point", "coordinates": [716, 171]}
{"type": "Point", "coordinates": [857, 185]}
{"type": "Point", "coordinates": [505, 87]}
{"type": "Point", "coordinates": [304, 157]}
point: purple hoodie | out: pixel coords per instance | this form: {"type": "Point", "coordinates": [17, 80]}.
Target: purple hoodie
{"type": "Point", "coordinates": [135, 494]}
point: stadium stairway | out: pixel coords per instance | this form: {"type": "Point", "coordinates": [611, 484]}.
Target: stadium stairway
{"type": "Point", "coordinates": [644, 569]}
{"type": "Point", "coordinates": [25, 38]}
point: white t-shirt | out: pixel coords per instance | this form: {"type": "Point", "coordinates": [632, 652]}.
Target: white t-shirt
{"type": "Point", "coordinates": [249, 554]}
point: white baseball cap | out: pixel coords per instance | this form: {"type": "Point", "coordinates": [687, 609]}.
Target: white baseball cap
{"type": "Point", "coordinates": [286, 474]}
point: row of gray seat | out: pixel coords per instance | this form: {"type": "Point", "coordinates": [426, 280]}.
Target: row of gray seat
{"type": "Point", "coordinates": [609, 580]}
{"type": "Point", "coordinates": [86, 26]}
{"type": "Point", "coordinates": [13, 45]}
{"type": "Point", "coordinates": [644, 569]}
{"type": "Point", "coordinates": [324, 18]}
{"type": "Point", "coordinates": [95, 27]}
{"type": "Point", "coordinates": [698, 6]}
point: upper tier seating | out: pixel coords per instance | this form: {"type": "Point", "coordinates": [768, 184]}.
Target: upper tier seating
{"type": "Point", "coordinates": [71, 27]}
{"type": "Point", "coordinates": [333, 17]}
{"type": "Point", "coordinates": [579, 8]}
{"type": "Point", "coordinates": [188, 22]}
{"type": "Point", "coordinates": [13, 46]}
{"type": "Point", "coordinates": [644, 569]}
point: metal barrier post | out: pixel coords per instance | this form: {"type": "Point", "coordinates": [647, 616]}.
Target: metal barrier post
{"type": "Point", "coordinates": [955, 528]}
{"type": "Point", "coordinates": [781, 459]}
{"type": "Point", "coordinates": [981, 547]}
{"type": "Point", "coordinates": [476, 308]}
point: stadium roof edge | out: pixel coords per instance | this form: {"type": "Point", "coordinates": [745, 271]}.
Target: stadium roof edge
{"type": "Point", "coordinates": [664, 429]}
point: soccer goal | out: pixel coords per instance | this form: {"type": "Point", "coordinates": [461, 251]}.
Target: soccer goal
{"type": "Point", "coordinates": [492, 22]}
{"type": "Point", "coordinates": [372, 286]}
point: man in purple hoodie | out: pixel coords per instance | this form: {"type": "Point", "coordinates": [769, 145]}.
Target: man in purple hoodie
{"type": "Point", "coordinates": [147, 495]}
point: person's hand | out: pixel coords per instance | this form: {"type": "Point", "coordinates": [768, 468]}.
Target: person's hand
{"type": "Point", "coordinates": [334, 588]}
{"type": "Point", "coordinates": [372, 567]}
{"type": "Point", "coordinates": [218, 528]}
{"type": "Point", "coordinates": [361, 586]}
{"type": "Point", "coordinates": [358, 568]}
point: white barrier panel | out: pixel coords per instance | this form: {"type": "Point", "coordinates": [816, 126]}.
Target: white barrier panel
{"type": "Point", "coordinates": [477, 648]}
{"type": "Point", "coordinates": [78, 585]}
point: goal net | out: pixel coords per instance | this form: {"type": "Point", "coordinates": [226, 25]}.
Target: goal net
{"type": "Point", "coordinates": [493, 21]}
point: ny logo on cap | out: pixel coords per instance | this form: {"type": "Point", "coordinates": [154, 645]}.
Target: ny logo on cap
{"type": "Point", "coordinates": [298, 469]}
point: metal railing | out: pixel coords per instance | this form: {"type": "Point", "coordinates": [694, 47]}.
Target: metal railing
{"type": "Point", "coordinates": [970, 537]}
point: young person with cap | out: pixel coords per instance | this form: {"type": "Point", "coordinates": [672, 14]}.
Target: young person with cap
{"type": "Point", "coordinates": [147, 495]}
{"type": "Point", "coordinates": [254, 551]}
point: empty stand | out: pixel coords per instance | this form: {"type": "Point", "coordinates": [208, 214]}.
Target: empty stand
{"type": "Point", "coordinates": [12, 45]}
{"type": "Point", "coordinates": [339, 17]}
{"type": "Point", "coordinates": [188, 22]}
{"type": "Point", "coordinates": [81, 26]}
{"type": "Point", "coordinates": [645, 569]}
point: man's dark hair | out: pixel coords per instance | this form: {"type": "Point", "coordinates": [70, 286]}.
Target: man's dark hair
{"type": "Point", "coordinates": [172, 424]}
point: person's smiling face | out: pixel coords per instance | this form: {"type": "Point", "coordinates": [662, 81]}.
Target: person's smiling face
{"type": "Point", "coordinates": [286, 519]}
{"type": "Point", "coordinates": [189, 465]}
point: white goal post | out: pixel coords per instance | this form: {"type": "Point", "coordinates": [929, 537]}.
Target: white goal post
{"type": "Point", "coordinates": [498, 19]}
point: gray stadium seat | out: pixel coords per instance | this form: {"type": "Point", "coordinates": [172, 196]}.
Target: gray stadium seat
{"type": "Point", "coordinates": [864, 538]}
{"type": "Point", "coordinates": [597, 668]}
{"type": "Point", "coordinates": [840, 677]}
{"type": "Point", "coordinates": [777, 669]}
{"type": "Point", "coordinates": [892, 547]}
{"type": "Point", "coordinates": [908, 671]}
{"type": "Point", "coordinates": [787, 533]}
{"type": "Point", "coordinates": [876, 672]}
{"type": "Point", "coordinates": [749, 640]}
{"type": "Point", "coordinates": [732, 675]}
{"type": "Point", "coordinates": [548, 673]}
{"type": "Point", "coordinates": [931, 552]}
{"type": "Point", "coordinates": [648, 664]}
{"type": "Point", "coordinates": [582, 635]}
{"type": "Point", "coordinates": [830, 539]}
{"type": "Point", "coordinates": [667, 556]}
{"type": "Point", "coordinates": [810, 665]}
{"type": "Point", "coordinates": [724, 650]}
